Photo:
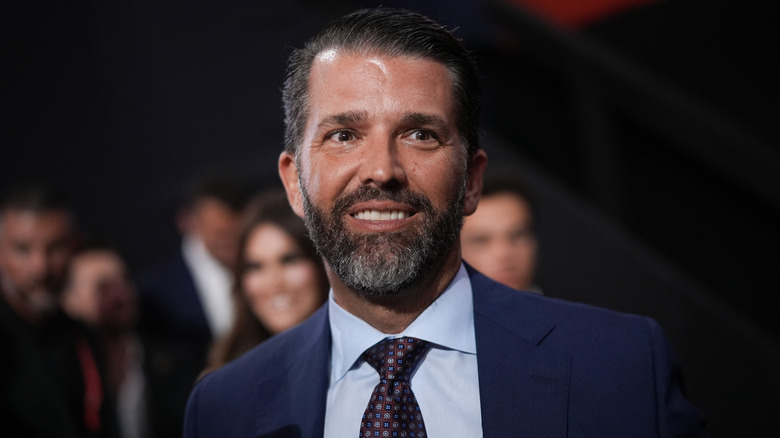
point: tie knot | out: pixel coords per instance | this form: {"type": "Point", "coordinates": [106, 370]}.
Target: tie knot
{"type": "Point", "coordinates": [395, 359]}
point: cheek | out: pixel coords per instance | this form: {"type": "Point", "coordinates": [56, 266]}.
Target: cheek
{"type": "Point", "coordinates": [298, 275]}
{"type": "Point", "coordinates": [471, 252]}
{"type": "Point", "coordinates": [304, 281]}
{"type": "Point", "coordinates": [328, 177]}
{"type": "Point", "coordinates": [526, 250]}
{"type": "Point", "coordinates": [254, 286]}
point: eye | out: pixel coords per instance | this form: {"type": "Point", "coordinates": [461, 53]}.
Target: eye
{"type": "Point", "coordinates": [251, 266]}
{"type": "Point", "coordinates": [292, 258]}
{"type": "Point", "coordinates": [341, 136]}
{"type": "Point", "coordinates": [521, 237]}
{"type": "Point", "coordinates": [22, 249]}
{"type": "Point", "coordinates": [478, 240]}
{"type": "Point", "coordinates": [422, 137]}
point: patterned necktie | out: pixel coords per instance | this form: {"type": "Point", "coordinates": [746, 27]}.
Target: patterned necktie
{"type": "Point", "coordinates": [393, 410]}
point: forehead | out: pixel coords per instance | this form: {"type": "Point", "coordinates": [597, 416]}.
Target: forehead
{"type": "Point", "coordinates": [497, 209]}
{"type": "Point", "coordinates": [268, 237]}
{"type": "Point", "coordinates": [24, 224]}
{"type": "Point", "coordinates": [379, 81]}
{"type": "Point", "coordinates": [97, 257]}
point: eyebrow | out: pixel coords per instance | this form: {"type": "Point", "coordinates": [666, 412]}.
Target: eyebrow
{"type": "Point", "coordinates": [346, 118]}
{"type": "Point", "coordinates": [420, 119]}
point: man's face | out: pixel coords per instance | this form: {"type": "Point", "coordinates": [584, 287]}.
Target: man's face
{"type": "Point", "coordinates": [498, 240]}
{"type": "Point", "coordinates": [382, 169]}
{"type": "Point", "coordinates": [218, 226]}
{"type": "Point", "coordinates": [34, 252]}
{"type": "Point", "coordinates": [99, 292]}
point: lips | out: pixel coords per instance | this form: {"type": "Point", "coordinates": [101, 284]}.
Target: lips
{"type": "Point", "coordinates": [371, 204]}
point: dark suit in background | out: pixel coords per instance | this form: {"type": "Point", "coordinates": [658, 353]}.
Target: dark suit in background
{"type": "Point", "coordinates": [185, 301]}
{"type": "Point", "coordinates": [176, 338]}
{"type": "Point", "coordinates": [42, 388]}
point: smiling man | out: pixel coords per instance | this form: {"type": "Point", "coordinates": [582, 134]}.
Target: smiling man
{"type": "Point", "coordinates": [382, 161]}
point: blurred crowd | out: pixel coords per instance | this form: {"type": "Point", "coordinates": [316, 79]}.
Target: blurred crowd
{"type": "Point", "coordinates": [91, 350]}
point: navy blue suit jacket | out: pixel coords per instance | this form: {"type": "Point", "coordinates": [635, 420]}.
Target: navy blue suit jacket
{"type": "Point", "coordinates": [547, 368]}
{"type": "Point", "coordinates": [176, 338]}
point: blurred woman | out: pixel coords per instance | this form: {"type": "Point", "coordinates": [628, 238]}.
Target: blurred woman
{"type": "Point", "coordinates": [279, 279]}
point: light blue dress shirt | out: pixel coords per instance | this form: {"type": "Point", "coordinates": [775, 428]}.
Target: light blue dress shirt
{"type": "Point", "coordinates": [446, 383]}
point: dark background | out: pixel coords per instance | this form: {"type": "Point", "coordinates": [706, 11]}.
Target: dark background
{"type": "Point", "coordinates": [649, 133]}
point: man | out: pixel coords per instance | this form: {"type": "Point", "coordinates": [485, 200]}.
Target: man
{"type": "Point", "coordinates": [51, 379]}
{"type": "Point", "coordinates": [382, 161]}
{"type": "Point", "coordinates": [98, 292]}
{"type": "Point", "coordinates": [186, 302]}
{"type": "Point", "coordinates": [499, 239]}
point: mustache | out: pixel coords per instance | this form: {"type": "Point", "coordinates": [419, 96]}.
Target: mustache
{"type": "Point", "coordinates": [416, 201]}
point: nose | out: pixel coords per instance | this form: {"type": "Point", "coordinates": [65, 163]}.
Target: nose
{"type": "Point", "coordinates": [39, 263]}
{"type": "Point", "coordinates": [275, 277]}
{"type": "Point", "coordinates": [381, 163]}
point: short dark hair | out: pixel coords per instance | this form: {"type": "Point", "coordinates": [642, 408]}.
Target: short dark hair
{"type": "Point", "coordinates": [34, 196]}
{"type": "Point", "coordinates": [271, 206]}
{"type": "Point", "coordinates": [509, 181]}
{"type": "Point", "coordinates": [230, 189]}
{"type": "Point", "coordinates": [395, 32]}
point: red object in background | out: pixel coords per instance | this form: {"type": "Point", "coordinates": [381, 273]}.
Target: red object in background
{"type": "Point", "coordinates": [573, 14]}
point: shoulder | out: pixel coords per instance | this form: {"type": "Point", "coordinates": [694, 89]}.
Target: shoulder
{"type": "Point", "coordinates": [270, 379]}
{"type": "Point", "coordinates": [559, 322]}
{"type": "Point", "coordinates": [272, 358]}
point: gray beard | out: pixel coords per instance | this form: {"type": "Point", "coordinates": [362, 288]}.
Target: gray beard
{"type": "Point", "coordinates": [382, 264]}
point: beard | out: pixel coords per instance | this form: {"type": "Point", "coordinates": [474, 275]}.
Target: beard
{"type": "Point", "coordinates": [384, 263]}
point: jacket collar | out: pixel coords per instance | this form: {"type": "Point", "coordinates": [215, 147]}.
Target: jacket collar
{"type": "Point", "coordinates": [511, 353]}
{"type": "Point", "coordinates": [298, 390]}
{"type": "Point", "coordinates": [522, 384]}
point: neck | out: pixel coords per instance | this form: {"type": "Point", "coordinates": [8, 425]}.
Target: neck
{"type": "Point", "coordinates": [393, 314]}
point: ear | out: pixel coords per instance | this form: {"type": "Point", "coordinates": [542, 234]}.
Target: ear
{"type": "Point", "coordinates": [288, 172]}
{"type": "Point", "coordinates": [474, 183]}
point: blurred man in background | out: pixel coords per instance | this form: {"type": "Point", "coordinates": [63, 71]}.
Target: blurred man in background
{"type": "Point", "coordinates": [499, 239]}
{"type": "Point", "coordinates": [99, 293]}
{"type": "Point", "coordinates": [51, 379]}
{"type": "Point", "coordinates": [186, 302]}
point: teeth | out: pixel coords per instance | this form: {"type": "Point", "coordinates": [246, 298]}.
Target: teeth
{"type": "Point", "coordinates": [376, 215]}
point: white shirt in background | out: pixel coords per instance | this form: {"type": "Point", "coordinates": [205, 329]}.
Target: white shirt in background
{"type": "Point", "coordinates": [213, 282]}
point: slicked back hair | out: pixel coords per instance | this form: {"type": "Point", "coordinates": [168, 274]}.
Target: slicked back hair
{"type": "Point", "coordinates": [392, 32]}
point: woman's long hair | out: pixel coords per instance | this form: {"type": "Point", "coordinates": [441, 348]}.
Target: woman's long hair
{"type": "Point", "coordinates": [270, 207]}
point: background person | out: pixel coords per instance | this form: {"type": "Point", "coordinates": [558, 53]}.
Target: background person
{"type": "Point", "coordinates": [185, 301]}
{"type": "Point", "coordinates": [52, 380]}
{"type": "Point", "coordinates": [99, 293]}
{"type": "Point", "coordinates": [500, 239]}
{"type": "Point", "coordinates": [280, 281]}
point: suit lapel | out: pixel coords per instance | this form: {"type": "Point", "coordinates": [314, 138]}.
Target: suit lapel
{"type": "Point", "coordinates": [295, 396]}
{"type": "Point", "coordinates": [523, 386]}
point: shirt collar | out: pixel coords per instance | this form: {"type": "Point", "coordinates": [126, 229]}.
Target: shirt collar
{"type": "Point", "coordinates": [448, 323]}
